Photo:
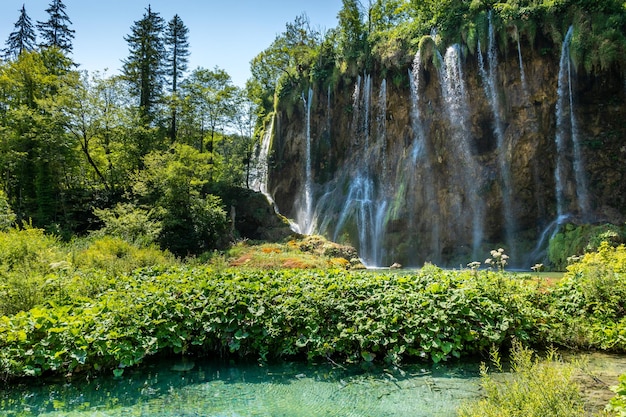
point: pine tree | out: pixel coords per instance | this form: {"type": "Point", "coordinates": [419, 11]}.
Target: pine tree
{"type": "Point", "coordinates": [176, 58]}
{"type": "Point", "coordinates": [144, 67]}
{"type": "Point", "coordinates": [22, 39]}
{"type": "Point", "coordinates": [56, 31]}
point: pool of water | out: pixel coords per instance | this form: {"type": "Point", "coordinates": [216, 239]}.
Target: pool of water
{"type": "Point", "coordinates": [210, 388]}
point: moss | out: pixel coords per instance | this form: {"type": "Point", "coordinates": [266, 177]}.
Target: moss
{"type": "Point", "coordinates": [575, 240]}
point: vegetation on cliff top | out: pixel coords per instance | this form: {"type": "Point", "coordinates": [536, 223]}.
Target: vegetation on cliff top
{"type": "Point", "coordinates": [386, 34]}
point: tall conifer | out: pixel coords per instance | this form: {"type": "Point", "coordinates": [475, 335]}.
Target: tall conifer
{"type": "Point", "coordinates": [23, 38]}
{"type": "Point", "coordinates": [176, 58]}
{"type": "Point", "coordinates": [56, 31]}
{"type": "Point", "coordinates": [144, 67]}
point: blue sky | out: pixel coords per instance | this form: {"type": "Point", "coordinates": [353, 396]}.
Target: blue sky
{"type": "Point", "coordinates": [223, 33]}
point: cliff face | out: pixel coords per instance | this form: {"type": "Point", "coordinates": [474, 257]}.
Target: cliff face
{"type": "Point", "coordinates": [454, 155]}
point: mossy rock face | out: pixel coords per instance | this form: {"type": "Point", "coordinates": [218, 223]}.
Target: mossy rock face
{"type": "Point", "coordinates": [253, 216]}
{"type": "Point", "coordinates": [575, 240]}
{"type": "Point", "coordinates": [322, 247]}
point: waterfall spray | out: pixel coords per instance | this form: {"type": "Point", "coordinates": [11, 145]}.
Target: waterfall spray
{"type": "Point", "coordinates": [305, 219]}
{"type": "Point", "coordinates": [456, 101]}
{"type": "Point", "coordinates": [521, 65]}
{"type": "Point", "coordinates": [567, 128]}
{"type": "Point", "coordinates": [490, 83]}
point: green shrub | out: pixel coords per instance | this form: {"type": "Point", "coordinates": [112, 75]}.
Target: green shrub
{"type": "Point", "coordinates": [26, 257]}
{"type": "Point", "coordinates": [116, 256]}
{"type": "Point", "coordinates": [588, 306]}
{"type": "Point", "coordinates": [617, 404]}
{"type": "Point", "coordinates": [130, 223]}
{"type": "Point", "coordinates": [349, 316]}
{"type": "Point", "coordinates": [534, 388]}
{"type": "Point", "coordinates": [573, 240]}
{"type": "Point", "coordinates": [7, 217]}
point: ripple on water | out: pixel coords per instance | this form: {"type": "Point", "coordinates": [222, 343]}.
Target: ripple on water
{"type": "Point", "coordinates": [291, 389]}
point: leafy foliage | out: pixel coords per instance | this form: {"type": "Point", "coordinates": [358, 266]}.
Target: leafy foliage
{"type": "Point", "coordinates": [433, 314]}
{"type": "Point", "coordinates": [573, 240]}
{"type": "Point", "coordinates": [535, 387]}
{"type": "Point", "coordinates": [588, 304]}
{"type": "Point", "coordinates": [192, 220]}
{"type": "Point", "coordinates": [129, 223]}
{"type": "Point", "coordinates": [7, 217]}
{"type": "Point", "coordinates": [617, 404]}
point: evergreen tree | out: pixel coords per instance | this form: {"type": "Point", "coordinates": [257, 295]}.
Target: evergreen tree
{"type": "Point", "coordinates": [56, 31]}
{"type": "Point", "coordinates": [23, 38]}
{"type": "Point", "coordinates": [351, 39]}
{"type": "Point", "coordinates": [176, 58]}
{"type": "Point", "coordinates": [144, 67]}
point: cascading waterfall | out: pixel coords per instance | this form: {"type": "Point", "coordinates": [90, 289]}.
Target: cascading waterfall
{"type": "Point", "coordinates": [305, 219]}
{"type": "Point", "coordinates": [356, 110]}
{"type": "Point", "coordinates": [456, 101]}
{"type": "Point", "coordinates": [568, 144]}
{"type": "Point", "coordinates": [490, 82]}
{"type": "Point", "coordinates": [420, 158]}
{"type": "Point", "coordinates": [521, 65]}
{"type": "Point", "coordinates": [458, 161]}
{"type": "Point", "coordinates": [381, 122]}
{"type": "Point", "coordinates": [259, 172]}
{"type": "Point", "coordinates": [365, 205]}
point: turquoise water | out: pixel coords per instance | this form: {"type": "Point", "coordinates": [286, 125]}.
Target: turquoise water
{"type": "Point", "coordinates": [208, 388]}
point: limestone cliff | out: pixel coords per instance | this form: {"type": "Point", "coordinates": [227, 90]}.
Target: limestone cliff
{"type": "Point", "coordinates": [432, 163]}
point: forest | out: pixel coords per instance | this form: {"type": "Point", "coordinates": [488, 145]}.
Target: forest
{"type": "Point", "coordinates": [165, 142]}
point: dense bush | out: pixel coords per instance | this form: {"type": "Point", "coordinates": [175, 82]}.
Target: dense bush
{"type": "Point", "coordinates": [432, 314]}
{"type": "Point", "coordinates": [588, 306]}
{"type": "Point", "coordinates": [576, 240]}
{"type": "Point", "coordinates": [36, 268]}
{"type": "Point", "coordinates": [618, 403]}
{"type": "Point", "coordinates": [7, 217]}
{"type": "Point", "coordinates": [535, 387]}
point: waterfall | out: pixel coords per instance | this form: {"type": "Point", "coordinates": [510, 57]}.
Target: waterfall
{"type": "Point", "coordinates": [305, 214]}
{"type": "Point", "coordinates": [381, 122]}
{"type": "Point", "coordinates": [356, 110]}
{"type": "Point", "coordinates": [363, 208]}
{"type": "Point", "coordinates": [490, 82]}
{"type": "Point", "coordinates": [420, 160]}
{"type": "Point", "coordinates": [466, 169]}
{"type": "Point", "coordinates": [367, 98]}
{"type": "Point", "coordinates": [521, 66]}
{"type": "Point", "coordinates": [260, 168]}
{"type": "Point", "coordinates": [568, 144]}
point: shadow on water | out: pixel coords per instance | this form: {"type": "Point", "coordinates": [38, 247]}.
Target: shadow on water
{"type": "Point", "coordinates": [210, 388]}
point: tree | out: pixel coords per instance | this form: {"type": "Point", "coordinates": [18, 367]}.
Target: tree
{"type": "Point", "coordinates": [244, 122]}
{"type": "Point", "coordinates": [144, 67]}
{"type": "Point", "coordinates": [104, 125]}
{"type": "Point", "coordinates": [38, 164]}
{"type": "Point", "coordinates": [284, 63]}
{"type": "Point", "coordinates": [211, 93]}
{"type": "Point", "coordinates": [351, 32]}
{"type": "Point", "coordinates": [56, 31]}
{"type": "Point", "coordinates": [174, 184]}
{"type": "Point", "coordinates": [22, 39]}
{"type": "Point", "coordinates": [176, 58]}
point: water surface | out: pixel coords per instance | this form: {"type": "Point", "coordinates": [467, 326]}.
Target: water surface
{"type": "Point", "coordinates": [209, 388]}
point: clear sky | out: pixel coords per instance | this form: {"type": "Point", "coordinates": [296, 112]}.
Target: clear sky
{"type": "Point", "coordinates": [223, 33]}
